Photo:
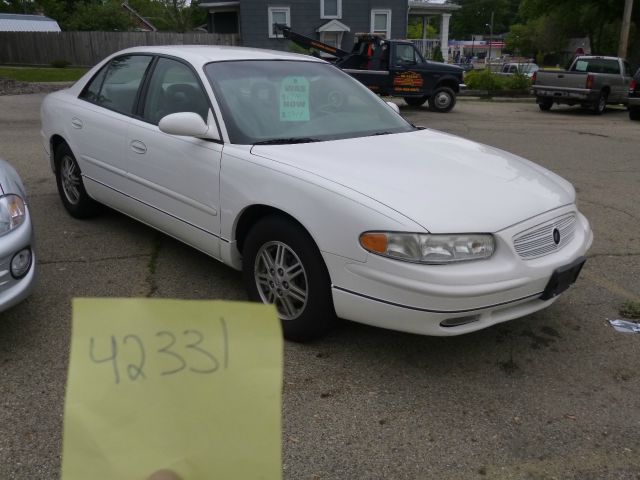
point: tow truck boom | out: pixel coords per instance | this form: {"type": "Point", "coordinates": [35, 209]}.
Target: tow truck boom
{"type": "Point", "coordinates": [306, 42]}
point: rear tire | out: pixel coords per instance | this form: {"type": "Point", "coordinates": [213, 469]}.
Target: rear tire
{"type": "Point", "coordinates": [70, 187]}
{"type": "Point", "coordinates": [601, 104]}
{"type": "Point", "coordinates": [634, 113]}
{"type": "Point", "coordinates": [415, 101]}
{"type": "Point", "coordinates": [443, 100]}
{"type": "Point", "coordinates": [283, 266]}
{"type": "Point", "coordinates": [545, 104]}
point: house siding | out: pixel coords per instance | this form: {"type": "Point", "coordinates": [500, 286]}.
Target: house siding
{"type": "Point", "coordinates": [305, 19]}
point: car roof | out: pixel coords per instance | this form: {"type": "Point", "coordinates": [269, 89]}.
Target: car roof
{"type": "Point", "coordinates": [599, 57]}
{"type": "Point", "coordinates": [202, 54]}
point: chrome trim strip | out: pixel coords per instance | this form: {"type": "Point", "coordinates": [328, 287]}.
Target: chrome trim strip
{"type": "Point", "coordinates": [372, 72]}
{"type": "Point", "coordinates": [155, 208]}
{"type": "Point", "coordinates": [426, 310]}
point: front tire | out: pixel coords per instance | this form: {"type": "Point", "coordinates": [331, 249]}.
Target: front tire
{"type": "Point", "coordinates": [70, 187]}
{"type": "Point", "coordinates": [443, 100]}
{"type": "Point", "coordinates": [283, 266]}
{"type": "Point", "coordinates": [415, 101]}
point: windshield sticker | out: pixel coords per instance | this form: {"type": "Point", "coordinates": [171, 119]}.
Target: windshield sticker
{"type": "Point", "coordinates": [581, 66]}
{"type": "Point", "coordinates": [294, 99]}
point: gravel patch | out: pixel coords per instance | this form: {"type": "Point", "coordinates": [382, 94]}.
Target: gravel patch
{"type": "Point", "coordinates": [15, 87]}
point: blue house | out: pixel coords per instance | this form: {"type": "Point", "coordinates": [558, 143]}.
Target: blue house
{"type": "Point", "coordinates": [331, 21]}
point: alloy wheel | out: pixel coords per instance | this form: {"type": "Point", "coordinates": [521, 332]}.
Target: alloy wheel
{"type": "Point", "coordinates": [281, 279]}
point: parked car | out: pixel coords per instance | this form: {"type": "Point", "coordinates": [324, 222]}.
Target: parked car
{"type": "Point", "coordinates": [17, 260]}
{"type": "Point", "coordinates": [591, 81]}
{"type": "Point", "coordinates": [526, 69]}
{"type": "Point", "coordinates": [634, 97]}
{"type": "Point", "coordinates": [332, 204]}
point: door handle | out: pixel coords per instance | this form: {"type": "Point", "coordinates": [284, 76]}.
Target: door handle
{"type": "Point", "coordinates": [138, 147]}
{"type": "Point", "coordinates": [76, 122]}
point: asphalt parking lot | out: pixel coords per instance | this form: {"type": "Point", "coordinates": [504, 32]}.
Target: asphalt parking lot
{"type": "Point", "coordinates": [555, 395]}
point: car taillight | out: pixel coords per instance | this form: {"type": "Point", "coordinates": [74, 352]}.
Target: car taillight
{"type": "Point", "coordinates": [533, 78]}
{"type": "Point", "coordinates": [633, 86]}
{"type": "Point", "coordinates": [590, 79]}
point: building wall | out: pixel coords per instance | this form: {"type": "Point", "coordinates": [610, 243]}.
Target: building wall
{"type": "Point", "coordinates": [305, 19]}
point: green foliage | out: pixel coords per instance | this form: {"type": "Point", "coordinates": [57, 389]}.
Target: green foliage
{"type": "Point", "coordinates": [106, 17]}
{"type": "Point", "coordinates": [295, 48]}
{"type": "Point", "coordinates": [414, 29]}
{"type": "Point", "coordinates": [631, 309]}
{"type": "Point", "coordinates": [436, 55]}
{"type": "Point", "coordinates": [484, 80]}
{"type": "Point", "coordinates": [475, 16]}
{"type": "Point", "coordinates": [42, 74]}
{"type": "Point", "coordinates": [517, 82]}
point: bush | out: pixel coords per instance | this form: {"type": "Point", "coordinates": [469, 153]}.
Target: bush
{"type": "Point", "coordinates": [484, 80]}
{"type": "Point", "coordinates": [518, 82]}
{"type": "Point", "coordinates": [60, 63]}
{"type": "Point", "coordinates": [436, 55]}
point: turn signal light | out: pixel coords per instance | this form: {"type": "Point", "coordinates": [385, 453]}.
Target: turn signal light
{"type": "Point", "coordinates": [632, 86]}
{"type": "Point", "coordinates": [533, 78]}
{"type": "Point", "coordinates": [374, 242]}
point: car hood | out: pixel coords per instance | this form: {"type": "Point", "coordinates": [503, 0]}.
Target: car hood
{"type": "Point", "coordinates": [445, 183]}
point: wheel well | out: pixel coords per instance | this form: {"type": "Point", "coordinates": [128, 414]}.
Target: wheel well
{"type": "Point", "coordinates": [56, 141]}
{"type": "Point", "coordinates": [449, 83]}
{"type": "Point", "coordinates": [252, 215]}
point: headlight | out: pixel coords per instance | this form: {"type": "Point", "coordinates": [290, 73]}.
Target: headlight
{"type": "Point", "coordinates": [12, 213]}
{"type": "Point", "coordinates": [428, 248]}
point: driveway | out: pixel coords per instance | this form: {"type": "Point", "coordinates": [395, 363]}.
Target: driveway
{"type": "Point", "coordinates": [553, 395]}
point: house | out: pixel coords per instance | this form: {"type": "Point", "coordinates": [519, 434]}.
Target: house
{"type": "Point", "coordinates": [15, 22]}
{"type": "Point", "coordinates": [331, 21]}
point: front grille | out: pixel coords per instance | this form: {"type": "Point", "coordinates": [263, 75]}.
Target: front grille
{"type": "Point", "coordinates": [539, 240]}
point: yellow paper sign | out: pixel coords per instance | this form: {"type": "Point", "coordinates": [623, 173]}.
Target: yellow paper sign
{"type": "Point", "coordinates": [190, 386]}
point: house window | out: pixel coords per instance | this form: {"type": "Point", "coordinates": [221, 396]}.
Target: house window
{"type": "Point", "coordinates": [331, 38]}
{"type": "Point", "coordinates": [330, 8]}
{"type": "Point", "coordinates": [278, 15]}
{"type": "Point", "coordinates": [381, 22]}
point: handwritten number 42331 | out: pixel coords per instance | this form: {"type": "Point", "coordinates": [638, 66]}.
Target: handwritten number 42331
{"type": "Point", "coordinates": [183, 352]}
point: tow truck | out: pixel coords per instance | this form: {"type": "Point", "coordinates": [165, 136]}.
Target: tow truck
{"type": "Point", "coordinates": [391, 68]}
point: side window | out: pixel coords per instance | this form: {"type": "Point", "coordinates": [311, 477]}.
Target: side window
{"type": "Point", "coordinates": [121, 83]}
{"type": "Point", "coordinates": [91, 92]}
{"type": "Point", "coordinates": [174, 88]}
{"type": "Point", "coordinates": [405, 54]}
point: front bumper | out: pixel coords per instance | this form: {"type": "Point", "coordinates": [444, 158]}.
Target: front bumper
{"type": "Point", "coordinates": [14, 290]}
{"type": "Point", "coordinates": [470, 296]}
{"type": "Point", "coordinates": [634, 102]}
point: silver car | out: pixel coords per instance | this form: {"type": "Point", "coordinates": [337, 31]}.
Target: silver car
{"type": "Point", "coordinates": [17, 261]}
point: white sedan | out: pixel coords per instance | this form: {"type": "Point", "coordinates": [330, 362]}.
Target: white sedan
{"type": "Point", "coordinates": [332, 204]}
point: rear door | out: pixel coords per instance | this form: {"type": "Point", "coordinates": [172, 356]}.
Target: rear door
{"type": "Point", "coordinates": [99, 125]}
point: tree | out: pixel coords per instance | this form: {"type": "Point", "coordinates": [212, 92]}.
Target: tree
{"type": "Point", "coordinates": [475, 15]}
{"type": "Point", "coordinates": [108, 16]}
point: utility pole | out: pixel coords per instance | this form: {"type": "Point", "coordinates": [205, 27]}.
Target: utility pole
{"type": "Point", "coordinates": [624, 29]}
{"type": "Point", "coordinates": [491, 39]}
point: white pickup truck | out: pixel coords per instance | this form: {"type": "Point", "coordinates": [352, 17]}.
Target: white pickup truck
{"type": "Point", "coordinates": [591, 81]}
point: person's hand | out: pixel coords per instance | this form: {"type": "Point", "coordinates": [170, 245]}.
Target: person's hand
{"type": "Point", "coordinates": [164, 475]}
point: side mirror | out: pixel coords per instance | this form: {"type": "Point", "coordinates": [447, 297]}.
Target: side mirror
{"type": "Point", "coordinates": [394, 107]}
{"type": "Point", "coordinates": [187, 124]}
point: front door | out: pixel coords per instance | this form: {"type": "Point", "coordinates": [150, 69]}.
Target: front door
{"type": "Point", "coordinates": [175, 178]}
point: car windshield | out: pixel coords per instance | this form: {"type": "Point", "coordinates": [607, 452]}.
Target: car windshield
{"type": "Point", "coordinates": [274, 102]}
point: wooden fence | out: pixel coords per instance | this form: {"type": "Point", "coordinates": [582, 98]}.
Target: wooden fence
{"type": "Point", "coordinates": [88, 48]}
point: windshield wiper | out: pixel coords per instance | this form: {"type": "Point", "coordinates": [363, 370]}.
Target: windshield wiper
{"type": "Point", "coordinates": [380, 133]}
{"type": "Point", "coordinates": [284, 141]}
